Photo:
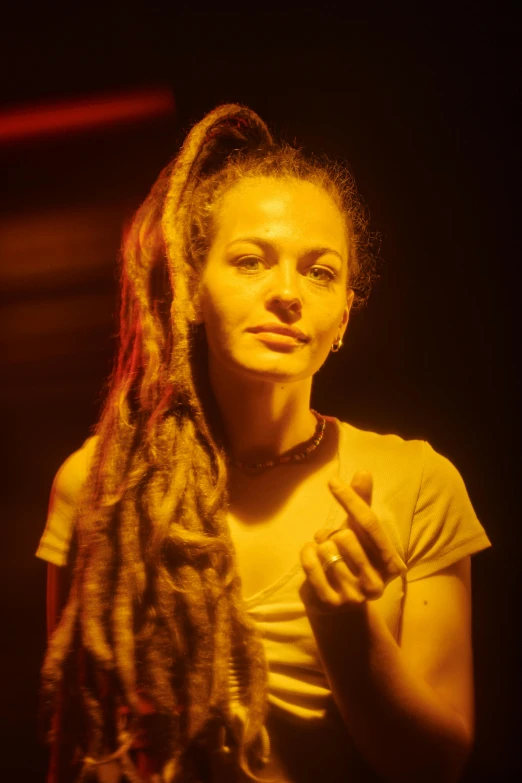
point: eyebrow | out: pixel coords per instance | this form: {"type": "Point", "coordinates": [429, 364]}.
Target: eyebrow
{"type": "Point", "coordinates": [264, 245]}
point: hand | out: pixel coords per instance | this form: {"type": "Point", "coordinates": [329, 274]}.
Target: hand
{"type": "Point", "coordinates": [369, 559]}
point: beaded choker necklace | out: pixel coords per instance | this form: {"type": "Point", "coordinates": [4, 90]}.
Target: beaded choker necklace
{"type": "Point", "coordinates": [289, 456]}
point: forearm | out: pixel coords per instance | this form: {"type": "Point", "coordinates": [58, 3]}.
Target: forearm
{"type": "Point", "coordinates": [400, 725]}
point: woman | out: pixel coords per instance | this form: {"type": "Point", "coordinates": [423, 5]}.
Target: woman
{"type": "Point", "coordinates": [258, 591]}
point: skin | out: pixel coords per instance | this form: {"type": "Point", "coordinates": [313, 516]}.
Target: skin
{"type": "Point", "coordinates": [263, 388]}
{"type": "Point", "coordinates": [369, 560]}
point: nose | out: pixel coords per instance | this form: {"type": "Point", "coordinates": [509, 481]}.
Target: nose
{"type": "Point", "coordinates": [285, 292]}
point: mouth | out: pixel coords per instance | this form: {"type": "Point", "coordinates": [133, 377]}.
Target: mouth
{"type": "Point", "coordinates": [279, 329]}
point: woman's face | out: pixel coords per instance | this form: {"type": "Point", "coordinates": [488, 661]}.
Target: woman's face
{"type": "Point", "coordinates": [278, 261]}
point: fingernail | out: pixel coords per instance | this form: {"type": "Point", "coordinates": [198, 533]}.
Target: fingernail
{"type": "Point", "coordinates": [335, 484]}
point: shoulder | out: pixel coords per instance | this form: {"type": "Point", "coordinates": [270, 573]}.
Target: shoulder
{"type": "Point", "coordinates": [410, 466]}
{"type": "Point", "coordinates": [413, 459]}
{"type": "Point", "coordinates": [383, 448]}
{"type": "Point", "coordinates": [415, 453]}
{"type": "Point", "coordinates": [423, 494]}
{"type": "Point", "coordinates": [68, 482]}
{"type": "Point", "coordinates": [72, 474]}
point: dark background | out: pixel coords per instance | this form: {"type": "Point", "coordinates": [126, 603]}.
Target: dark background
{"type": "Point", "coordinates": [423, 103]}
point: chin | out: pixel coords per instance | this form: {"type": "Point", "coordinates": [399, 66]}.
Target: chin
{"type": "Point", "coordinates": [272, 376]}
{"type": "Point", "coordinates": [281, 371]}
{"type": "Point", "coordinates": [271, 367]}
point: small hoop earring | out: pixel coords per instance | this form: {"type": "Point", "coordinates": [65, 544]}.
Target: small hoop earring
{"type": "Point", "coordinates": [337, 345]}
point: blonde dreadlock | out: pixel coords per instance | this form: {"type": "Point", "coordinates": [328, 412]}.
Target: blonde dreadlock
{"type": "Point", "coordinates": [155, 603]}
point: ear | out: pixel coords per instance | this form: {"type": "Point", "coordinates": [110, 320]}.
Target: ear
{"type": "Point", "coordinates": [346, 313]}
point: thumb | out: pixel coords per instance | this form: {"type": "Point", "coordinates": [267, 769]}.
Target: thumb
{"type": "Point", "coordinates": [362, 483]}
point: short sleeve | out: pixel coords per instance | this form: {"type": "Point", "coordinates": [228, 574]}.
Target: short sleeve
{"type": "Point", "coordinates": [56, 539]}
{"type": "Point", "coordinates": [444, 527]}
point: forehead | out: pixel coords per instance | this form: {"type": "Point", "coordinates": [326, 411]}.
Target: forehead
{"type": "Point", "coordinates": [279, 209]}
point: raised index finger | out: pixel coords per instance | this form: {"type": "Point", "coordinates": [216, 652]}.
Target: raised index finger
{"type": "Point", "coordinates": [364, 520]}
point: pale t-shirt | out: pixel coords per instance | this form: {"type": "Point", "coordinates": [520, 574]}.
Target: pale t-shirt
{"type": "Point", "coordinates": [420, 499]}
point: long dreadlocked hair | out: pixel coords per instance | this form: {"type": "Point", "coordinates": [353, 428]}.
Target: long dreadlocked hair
{"type": "Point", "coordinates": [155, 602]}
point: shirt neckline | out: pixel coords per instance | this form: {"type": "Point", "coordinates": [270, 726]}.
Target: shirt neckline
{"type": "Point", "coordinates": [333, 512]}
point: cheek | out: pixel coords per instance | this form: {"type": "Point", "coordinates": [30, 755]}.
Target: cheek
{"type": "Point", "coordinates": [225, 301]}
{"type": "Point", "coordinates": [216, 317]}
{"type": "Point", "coordinates": [223, 313]}
{"type": "Point", "coordinates": [328, 319]}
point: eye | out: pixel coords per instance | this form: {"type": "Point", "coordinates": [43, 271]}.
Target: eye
{"type": "Point", "coordinates": [320, 274]}
{"type": "Point", "coordinates": [249, 263]}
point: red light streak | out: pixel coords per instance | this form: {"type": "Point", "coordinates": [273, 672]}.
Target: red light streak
{"type": "Point", "coordinates": [78, 115]}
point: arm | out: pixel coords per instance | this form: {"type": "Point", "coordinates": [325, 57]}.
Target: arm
{"type": "Point", "coordinates": [55, 543]}
{"type": "Point", "coordinates": [409, 709]}
{"type": "Point", "coordinates": [62, 508]}
{"type": "Point", "coordinates": [58, 582]}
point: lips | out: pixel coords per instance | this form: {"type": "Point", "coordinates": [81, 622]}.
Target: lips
{"type": "Point", "coordinates": [280, 329]}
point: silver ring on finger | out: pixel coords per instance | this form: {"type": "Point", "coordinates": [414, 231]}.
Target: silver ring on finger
{"type": "Point", "coordinates": [331, 561]}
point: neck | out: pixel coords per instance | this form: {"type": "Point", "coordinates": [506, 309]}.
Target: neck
{"type": "Point", "coordinates": [262, 419]}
